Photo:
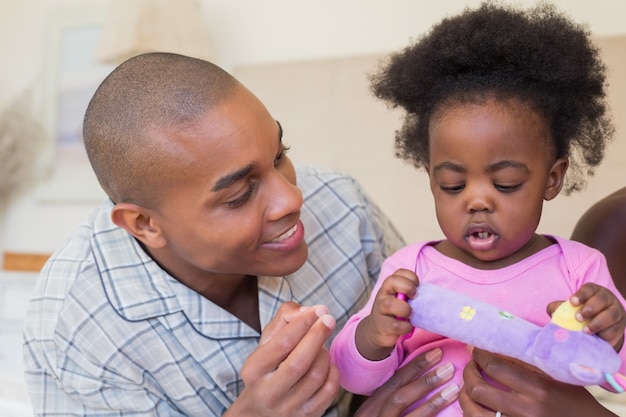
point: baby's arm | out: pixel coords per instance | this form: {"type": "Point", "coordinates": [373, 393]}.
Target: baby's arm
{"type": "Point", "coordinates": [603, 313]}
{"type": "Point", "coordinates": [377, 333]}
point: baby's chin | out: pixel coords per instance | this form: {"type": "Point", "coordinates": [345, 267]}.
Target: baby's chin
{"type": "Point", "coordinates": [492, 259]}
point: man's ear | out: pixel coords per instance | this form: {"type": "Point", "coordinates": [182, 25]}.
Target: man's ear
{"type": "Point", "coordinates": [556, 178]}
{"type": "Point", "coordinates": [139, 222]}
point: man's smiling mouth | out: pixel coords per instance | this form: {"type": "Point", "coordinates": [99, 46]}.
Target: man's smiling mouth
{"type": "Point", "coordinates": [285, 235]}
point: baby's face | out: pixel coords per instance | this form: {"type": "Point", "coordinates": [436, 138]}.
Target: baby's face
{"type": "Point", "coordinates": [491, 166]}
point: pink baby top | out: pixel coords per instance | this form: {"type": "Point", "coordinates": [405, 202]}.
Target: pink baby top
{"type": "Point", "coordinates": [523, 289]}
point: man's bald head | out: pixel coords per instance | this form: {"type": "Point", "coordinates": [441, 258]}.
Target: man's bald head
{"type": "Point", "coordinates": [148, 93]}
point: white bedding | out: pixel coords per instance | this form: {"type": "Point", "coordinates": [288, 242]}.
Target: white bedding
{"type": "Point", "coordinates": [13, 396]}
{"type": "Point", "coordinates": [14, 408]}
{"type": "Point", "coordinates": [15, 289]}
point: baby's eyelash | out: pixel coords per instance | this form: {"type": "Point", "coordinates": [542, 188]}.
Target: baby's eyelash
{"type": "Point", "coordinates": [452, 189]}
{"type": "Point", "coordinates": [507, 188]}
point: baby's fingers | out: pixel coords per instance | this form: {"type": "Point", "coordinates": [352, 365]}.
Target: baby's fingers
{"type": "Point", "coordinates": [586, 293]}
{"type": "Point", "coordinates": [402, 281]}
{"type": "Point", "coordinates": [599, 307]}
{"type": "Point", "coordinates": [551, 308]}
{"type": "Point", "coordinates": [608, 324]}
{"type": "Point", "coordinates": [614, 336]}
{"type": "Point", "coordinates": [601, 312]}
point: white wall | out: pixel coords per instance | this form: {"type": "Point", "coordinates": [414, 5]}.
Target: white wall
{"type": "Point", "coordinates": [248, 31]}
{"type": "Point", "coordinates": [244, 32]}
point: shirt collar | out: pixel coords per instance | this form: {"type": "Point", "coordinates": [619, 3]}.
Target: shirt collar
{"type": "Point", "coordinates": [136, 286]}
{"type": "Point", "coordinates": [139, 289]}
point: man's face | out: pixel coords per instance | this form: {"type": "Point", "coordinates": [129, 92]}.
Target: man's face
{"type": "Point", "coordinates": [232, 207]}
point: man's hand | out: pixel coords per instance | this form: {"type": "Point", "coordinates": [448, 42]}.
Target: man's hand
{"type": "Point", "coordinates": [289, 374]}
{"type": "Point", "coordinates": [408, 385]}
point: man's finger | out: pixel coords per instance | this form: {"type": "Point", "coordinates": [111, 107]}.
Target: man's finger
{"type": "Point", "coordinates": [408, 385]}
{"type": "Point", "coordinates": [287, 336]}
{"type": "Point", "coordinates": [286, 313]}
{"type": "Point", "coordinates": [300, 359]}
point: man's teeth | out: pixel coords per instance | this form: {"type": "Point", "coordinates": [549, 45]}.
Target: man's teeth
{"type": "Point", "coordinates": [285, 235]}
{"type": "Point", "coordinates": [482, 235]}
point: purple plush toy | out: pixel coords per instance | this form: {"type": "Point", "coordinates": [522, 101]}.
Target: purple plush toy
{"type": "Point", "coordinates": [561, 349]}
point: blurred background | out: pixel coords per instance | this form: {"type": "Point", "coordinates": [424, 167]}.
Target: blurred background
{"type": "Point", "coordinates": [307, 61]}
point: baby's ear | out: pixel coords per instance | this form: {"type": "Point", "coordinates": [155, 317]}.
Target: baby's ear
{"type": "Point", "coordinates": [556, 178]}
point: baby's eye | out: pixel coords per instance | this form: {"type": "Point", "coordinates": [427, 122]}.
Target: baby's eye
{"type": "Point", "coordinates": [507, 188]}
{"type": "Point", "coordinates": [452, 188]}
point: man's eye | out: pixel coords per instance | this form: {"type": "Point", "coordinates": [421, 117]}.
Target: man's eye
{"type": "Point", "coordinates": [281, 155]}
{"type": "Point", "coordinates": [244, 198]}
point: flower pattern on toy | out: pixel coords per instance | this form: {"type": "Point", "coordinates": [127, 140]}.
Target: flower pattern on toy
{"type": "Point", "coordinates": [560, 349]}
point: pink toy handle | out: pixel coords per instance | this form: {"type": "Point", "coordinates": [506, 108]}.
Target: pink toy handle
{"type": "Point", "coordinates": [403, 297]}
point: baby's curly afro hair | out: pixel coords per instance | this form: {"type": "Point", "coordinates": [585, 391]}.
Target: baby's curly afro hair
{"type": "Point", "coordinates": [536, 55]}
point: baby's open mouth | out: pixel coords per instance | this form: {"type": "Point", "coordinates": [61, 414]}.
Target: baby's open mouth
{"type": "Point", "coordinates": [482, 235]}
{"type": "Point", "coordinates": [481, 238]}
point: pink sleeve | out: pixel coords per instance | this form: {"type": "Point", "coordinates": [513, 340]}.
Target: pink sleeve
{"type": "Point", "coordinates": [358, 374]}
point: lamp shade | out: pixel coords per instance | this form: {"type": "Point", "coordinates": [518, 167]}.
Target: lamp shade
{"type": "Point", "coordinates": [134, 27]}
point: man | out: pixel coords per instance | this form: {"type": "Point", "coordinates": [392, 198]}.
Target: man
{"type": "Point", "coordinates": [182, 294]}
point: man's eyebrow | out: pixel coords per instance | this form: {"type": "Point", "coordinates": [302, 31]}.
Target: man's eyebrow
{"type": "Point", "coordinates": [229, 179]}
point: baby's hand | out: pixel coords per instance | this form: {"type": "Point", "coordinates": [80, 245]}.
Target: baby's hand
{"type": "Point", "coordinates": [604, 314]}
{"type": "Point", "coordinates": [377, 333]}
